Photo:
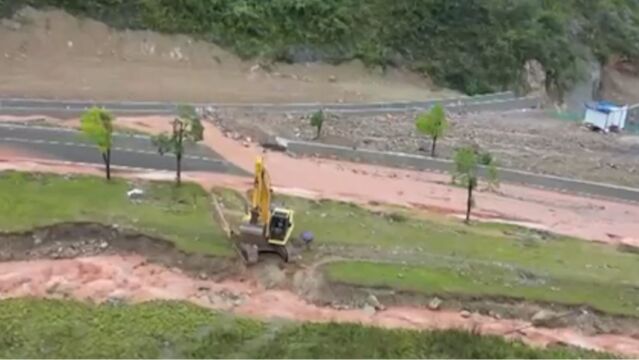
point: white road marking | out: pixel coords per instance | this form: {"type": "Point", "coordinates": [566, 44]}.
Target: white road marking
{"type": "Point", "coordinates": [83, 145]}
{"type": "Point", "coordinates": [67, 130]}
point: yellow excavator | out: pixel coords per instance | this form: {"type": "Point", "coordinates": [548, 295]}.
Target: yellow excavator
{"type": "Point", "coordinates": [265, 228]}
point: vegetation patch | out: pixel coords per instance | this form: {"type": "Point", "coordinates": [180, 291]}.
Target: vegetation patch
{"type": "Point", "coordinates": [179, 214]}
{"type": "Point", "coordinates": [477, 281]}
{"type": "Point", "coordinates": [31, 328]}
{"type": "Point", "coordinates": [438, 255]}
{"type": "Point", "coordinates": [472, 45]}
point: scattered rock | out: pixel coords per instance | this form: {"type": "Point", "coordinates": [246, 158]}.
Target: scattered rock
{"type": "Point", "coordinates": [494, 315]}
{"type": "Point", "coordinates": [11, 24]}
{"type": "Point", "coordinates": [465, 314]}
{"type": "Point", "coordinates": [255, 68]}
{"type": "Point", "coordinates": [369, 310]}
{"type": "Point", "coordinates": [203, 276]}
{"type": "Point", "coordinates": [104, 245]}
{"type": "Point", "coordinates": [332, 78]}
{"type": "Point", "coordinates": [435, 304]}
{"type": "Point", "coordinates": [544, 318]}
{"type": "Point", "coordinates": [115, 300]}
{"type": "Point", "coordinates": [374, 302]}
{"type": "Point", "coordinates": [70, 44]}
{"type": "Point", "coordinates": [135, 194]}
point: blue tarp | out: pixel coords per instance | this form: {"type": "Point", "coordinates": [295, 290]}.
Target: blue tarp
{"type": "Point", "coordinates": [603, 106]}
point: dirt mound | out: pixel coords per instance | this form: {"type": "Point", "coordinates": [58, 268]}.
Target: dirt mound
{"type": "Point", "coordinates": [71, 240]}
{"type": "Point", "coordinates": [52, 54]}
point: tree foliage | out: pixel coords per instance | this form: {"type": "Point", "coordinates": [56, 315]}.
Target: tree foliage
{"type": "Point", "coordinates": [466, 172]}
{"type": "Point", "coordinates": [186, 128]}
{"type": "Point", "coordinates": [97, 126]}
{"type": "Point", "coordinates": [317, 121]}
{"type": "Point", "coordinates": [475, 46]}
{"type": "Point", "coordinates": [433, 124]}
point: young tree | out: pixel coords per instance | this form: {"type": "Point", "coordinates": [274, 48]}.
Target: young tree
{"type": "Point", "coordinates": [486, 159]}
{"type": "Point", "coordinates": [317, 120]}
{"type": "Point", "coordinates": [433, 124]}
{"type": "Point", "coordinates": [467, 161]}
{"type": "Point", "coordinates": [187, 127]}
{"type": "Point", "coordinates": [466, 173]}
{"type": "Point", "coordinates": [97, 125]}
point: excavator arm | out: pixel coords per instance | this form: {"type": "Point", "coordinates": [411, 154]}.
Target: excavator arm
{"type": "Point", "coordinates": [260, 213]}
{"type": "Point", "coordinates": [265, 229]}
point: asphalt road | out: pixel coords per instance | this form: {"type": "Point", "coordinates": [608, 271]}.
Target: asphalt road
{"type": "Point", "coordinates": [136, 151]}
{"type": "Point", "coordinates": [20, 106]}
{"type": "Point", "coordinates": [128, 150]}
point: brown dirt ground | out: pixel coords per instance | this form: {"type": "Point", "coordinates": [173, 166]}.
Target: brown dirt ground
{"type": "Point", "coordinates": [100, 263]}
{"type": "Point", "coordinates": [528, 140]}
{"type": "Point", "coordinates": [51, 54]}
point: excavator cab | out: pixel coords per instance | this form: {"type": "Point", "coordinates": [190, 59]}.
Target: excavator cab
{"type": "Point", "coordinates": [281, 226]}
{"type": "Point", "coordinates": [265, 229]}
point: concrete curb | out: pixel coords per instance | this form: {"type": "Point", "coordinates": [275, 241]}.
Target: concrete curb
{"type": "Point", "coordinates": [418, 162]}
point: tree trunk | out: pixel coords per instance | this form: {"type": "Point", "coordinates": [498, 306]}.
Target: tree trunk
{"type": "Point", "coordinates": [178, 173]}
{"type": "Point", "coordinates": [469, 202]}
{"type": "Point", "coordinates": [319, 132]}
{"type": "Point", "coordinates": [106, 157]}
{"type": "Point", "coordinates": [432, 149]}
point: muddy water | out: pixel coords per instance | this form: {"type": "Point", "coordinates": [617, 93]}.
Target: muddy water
{"type": "Point", "coordinates": [132, 278]}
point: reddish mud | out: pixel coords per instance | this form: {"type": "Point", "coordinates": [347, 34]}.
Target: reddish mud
{"type": "Point", "coordinates": [132, 278]}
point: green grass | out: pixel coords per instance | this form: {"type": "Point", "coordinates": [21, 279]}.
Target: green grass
{"type": "Point", "coordinates": [449, 258]}
{"type": "Point", "coordinates": [474, 281]}
{"type": "Point", "coordinates": [182, 215]}
{"type": "Point", "coordinates": [342, 223]}
{"type": "Point", "coordinates": [32, 328]}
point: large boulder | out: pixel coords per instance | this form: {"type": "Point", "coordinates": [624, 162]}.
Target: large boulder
{"type": "Point", "coordinates": [534, 78]}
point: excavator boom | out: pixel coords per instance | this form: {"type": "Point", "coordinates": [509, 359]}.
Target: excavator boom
{"type": "Point", "coordinates": [265, 229]}
{"type": "Point", "coordinates": [261, 195]}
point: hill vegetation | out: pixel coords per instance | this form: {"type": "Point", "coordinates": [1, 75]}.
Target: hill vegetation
{"type": "Point", "coordinates": [471, 45]}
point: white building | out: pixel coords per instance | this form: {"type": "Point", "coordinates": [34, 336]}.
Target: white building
{"type": "Point", "coordinates": [606, 116]}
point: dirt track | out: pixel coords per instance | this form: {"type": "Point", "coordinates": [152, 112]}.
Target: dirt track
{"type": "Point", "coordinates": [53, 55]}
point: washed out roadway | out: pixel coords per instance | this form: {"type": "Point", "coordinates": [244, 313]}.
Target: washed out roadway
{"type": "Point", "coordinates": [134, 151]}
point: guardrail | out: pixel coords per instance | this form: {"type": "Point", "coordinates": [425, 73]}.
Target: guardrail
{"type": "Point", "coordinates": [418, 162]}
{"type": "Point", "coordinates": [504, 100]}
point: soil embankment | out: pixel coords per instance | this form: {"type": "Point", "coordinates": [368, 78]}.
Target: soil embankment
{"type": "Point", "coordinates": [50, 54]}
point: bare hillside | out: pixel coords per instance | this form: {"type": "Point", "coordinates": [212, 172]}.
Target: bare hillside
{"type": "Point", "coordinates": [54, 55]}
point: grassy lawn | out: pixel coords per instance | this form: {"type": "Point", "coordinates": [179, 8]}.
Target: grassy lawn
{"type": "Point", "coordinates": [182, 215]}
{"type": "Point", "coordinates": [445, 256]}
{"type": "Point", "coordinates": [32, 328]}
{"type": "Point", "coordinates": [487, 281]}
